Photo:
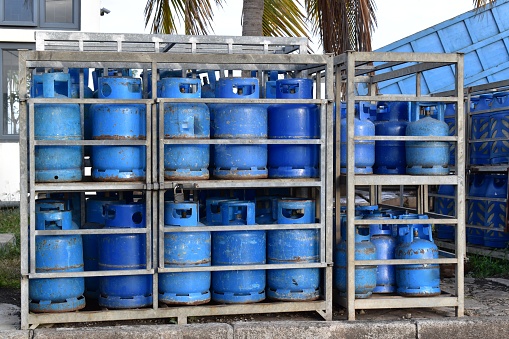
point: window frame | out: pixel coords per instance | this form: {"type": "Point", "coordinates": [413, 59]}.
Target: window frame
{"type": "Point", "coordinates": [33, 23]}
{"type": "Point", "coordinates": [75, 24]}
{"type": "Point", "coordinates": [9, 46]}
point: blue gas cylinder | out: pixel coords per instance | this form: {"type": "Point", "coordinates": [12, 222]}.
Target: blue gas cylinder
{"type": "Point", "coordinates": [94, 219]}
{"type": "Point", "coordinates": [266, 209]}
{"type": "Point", "coordinates": [209, 85]}
{"type": "Point", "coordinates": [270, 89]}
{"type": "Point", "coordinates": [450, 120]}
{"type": "Point", "coordinates": [417, 226]}
{"type": "Point", "coordinates": [213, 214]}
{"type": "Point", "coordinates": [392, 120]}
{"type": "Point", "coordinates": [427, 157]}
{"type": "Point", "coordinates": [239, 121]}
{"type": "Point", "coordinates": [294, 247]}
{"type": "Point", "coordinates": [480, 129]}
{"type": "Point", "coordinates": [499, 128]}
{"type": "Point", "coordinates": [118, 122]}
{"type": "Point", "coordinates": [370, 110]}
{"type": "Point", "coordinates": [364, 210]}
{"type": "Point", "coordinates": [445, 206]}
{"type": "Point", "coordinates": [364, 149]}
{"type": "Point", "coordinates": [365, 275]}
{"type": "Point", "coordinates": [124, 252]}
{"type": "Point", "coordinates": [385, 243]}
{"type": "Point", "coordinates": [293, 121]}
{"type": "Point", "coordinates": [87, 93]}
{"type": "Point", "coordinates": [496, 217]}
{"type": "Point", "coordinates": [477, 210]}
{"type": "Point", "coordinates": [186, 249]}
{"type": "Point", "coordinates": [420, 280]}
{"type": "Point", "coordinates": [56, 253]}
{"type": "Point", "coordinates": [57, 122]}
{"type": "Point", "coordinates": [238, 248]}
{"type": "Point", "coordinates": [185, 121]}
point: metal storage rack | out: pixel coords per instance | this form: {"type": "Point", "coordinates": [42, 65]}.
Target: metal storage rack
{"type": "Point", "coordinates": [470, 92]}
{"type": "Point", "coordinates": [351, 69]}
{"type": "Point", "coordinates": [317, 66]}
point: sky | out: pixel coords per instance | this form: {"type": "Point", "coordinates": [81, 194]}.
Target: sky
{"type": "Point", "coordinates": [396, 18]}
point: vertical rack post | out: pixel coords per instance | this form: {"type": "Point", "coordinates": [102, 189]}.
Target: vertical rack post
{"type": "Point", "coordinates": [350, 185]}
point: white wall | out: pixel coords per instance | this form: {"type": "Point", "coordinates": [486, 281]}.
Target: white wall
{"type": "Point", "coordinates": [9, 152]}
{"type": "Point", "coordinates": [9, 172]}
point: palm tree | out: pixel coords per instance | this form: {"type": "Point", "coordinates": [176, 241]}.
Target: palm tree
{"type": "Point", "coordinates": [341, 24]}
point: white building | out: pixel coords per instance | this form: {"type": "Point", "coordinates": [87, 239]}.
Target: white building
{"type": "Point", "coordinates": [19, 19]}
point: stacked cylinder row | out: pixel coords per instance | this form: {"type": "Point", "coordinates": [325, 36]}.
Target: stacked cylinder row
{"type": "Point", "coordinates": [388, 242]}
{"type": "Point", "coordinates": [398, 157]}
{"type": "Point", "coordinates": [128, 251]}
{"type": "Point", "coordinates": [127, 121]}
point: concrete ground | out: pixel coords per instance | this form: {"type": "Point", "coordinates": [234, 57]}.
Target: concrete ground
{"type": "Point", "coordinates": [486, 316]}
{"type": "Point", "coordinates": [7, 239]}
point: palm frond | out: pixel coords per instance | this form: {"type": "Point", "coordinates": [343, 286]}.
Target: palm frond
{"type": "Point", "coordinates": [166, 16]}
{"type": "Point", "coordinates": [343, 24]}
{"type": "Point", "coordinates": [284, 18]}
{"type": "Point", "coordinates": [479, 4]}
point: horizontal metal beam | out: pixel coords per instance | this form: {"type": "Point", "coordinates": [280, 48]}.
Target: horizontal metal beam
{"type": "Point", "coordinates": [404, 97]}
{"type": "Point", "coordinates": [405, 261]}
{"type": "Point", "coordinates": [206, 184]}
{"type": "Point", "coordinates": [405, 221]}
{"type": "Point", "coordinates": [242, 267]}
{"type": "Point", "coordinates": [178, 229]}
{"type": "Point", "coordinates": [175, 311]}
{"type": "Point", "coordinates": [242, 141]}
{"type": "Point", "coordinates": [89, 186]}
{"type": "Point", "coordinates": [405, 180]}
{"type": "Point", "coordinates": [406, 138]}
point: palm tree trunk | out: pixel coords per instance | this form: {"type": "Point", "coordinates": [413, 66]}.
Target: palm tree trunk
{"type": "Point", "coordinates": [252, 14]}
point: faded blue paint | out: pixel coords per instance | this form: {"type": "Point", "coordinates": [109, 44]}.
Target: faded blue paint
{"type": "Point", "coordinates": [94, 217]}
{"type": "Point", "coordinates": [185, 121]}
{"type": "Point", "coordinates": [56, 253]}
{"type": "Point", "coordinates": [124, 252]}
{"type": "Point", "coordinates": [365, 276]}
{"type": "Point", "coordinates": [294, 247]}
{"type": "Point", "coordinates": [239, 121]}
{"type": "Point", "coordinates": [238, 248]}
{"type": "Point", "coordinates": [57, 122]}
{"type": "Point", "coordinates": [189, 249]}
{"type": "Point", "coordinates": [385, 243]}
{"type": "Point", "coordinates": [364, 150]}
{"type": "Point", "coordinates": [293, 121]}
{"type": "Point", "coordinates": [421, 280]}
{"type": "Point", "coordinates": [392, 120]}
{"type": "Point", "coordinates": [427, 157]}
{"type": "Point", "coordinates": [118, 122]}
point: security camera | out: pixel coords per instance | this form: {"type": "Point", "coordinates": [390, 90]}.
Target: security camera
{"type": "Point", "coordinates": [105, 11]}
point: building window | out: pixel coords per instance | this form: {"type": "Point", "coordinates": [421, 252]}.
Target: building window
{"type": "Point", "coordinates": [10, 87]}
{"type": "Point", "coordinates": [18, 12]}
{"type": "Point", "coordinates": [48, 14]}
{"type": "Point", "coordinates": [59, 13]}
